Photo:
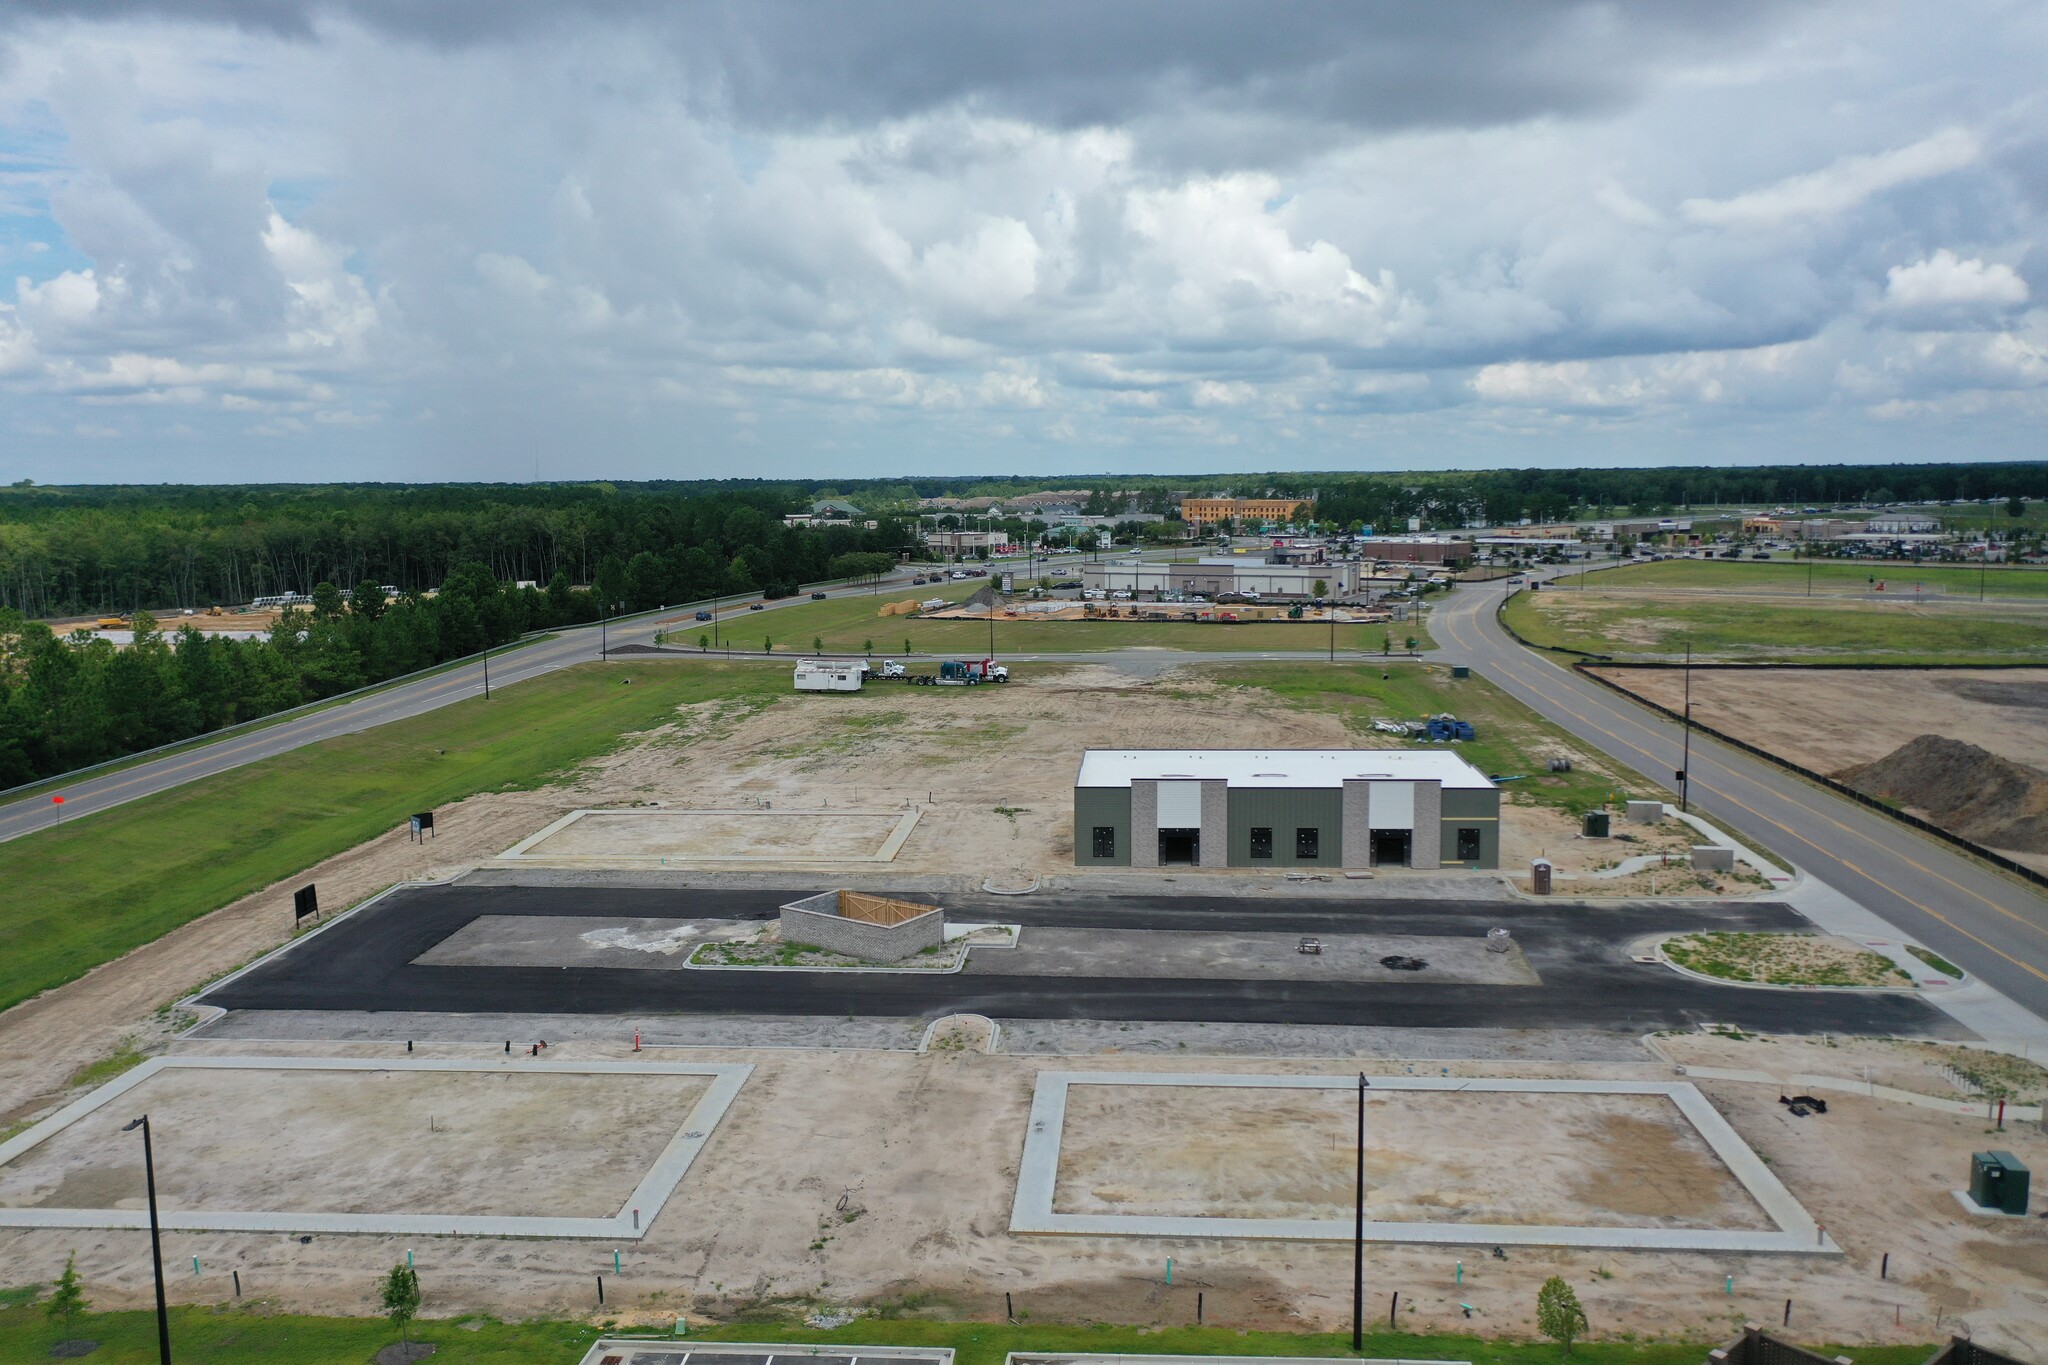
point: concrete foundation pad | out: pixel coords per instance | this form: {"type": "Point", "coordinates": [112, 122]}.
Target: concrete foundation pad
{"type": "Point", "coordinates": [693, 1127]}
{"type": "Point", "coordinates": [1793, 1229]}
{"type": "Point", "coordinates": [680, 838]}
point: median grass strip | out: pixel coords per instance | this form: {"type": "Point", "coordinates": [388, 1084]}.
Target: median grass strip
{"type": "Point", "coordinates": [1935, 960]}
{"type": "Point", "coordinates": [92, 888]}
{"type": "Point", "coordinates": [1783, 960]}
{"type": "Point", "coordinates": [223, 1336]}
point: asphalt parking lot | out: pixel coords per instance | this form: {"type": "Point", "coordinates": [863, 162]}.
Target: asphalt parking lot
{"type": "Point", "coordinates": [1579, 953]}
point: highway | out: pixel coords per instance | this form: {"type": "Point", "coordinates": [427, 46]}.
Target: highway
{"type": "Point", "coordinates": [1991, 925]}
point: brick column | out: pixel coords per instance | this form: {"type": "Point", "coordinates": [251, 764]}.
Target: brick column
{"type": "Point", "coordinates": [1355, 834]}
{"type": "Point", "coordinates": [1145, 822]}
{"type": "Point", "coordinates": [1426, 846]}
{"type": "Point", "coordinates": [1215, 848]}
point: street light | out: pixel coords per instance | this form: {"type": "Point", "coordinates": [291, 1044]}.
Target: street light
{"type": "Point", "coordinates": [156, 1250]}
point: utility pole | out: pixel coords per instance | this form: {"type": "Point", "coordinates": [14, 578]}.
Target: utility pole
{"type": "Point", "coordinates": [1685, 769]}
{"type": "Point", "coordinates": [156, 1250]}
{"type": "Point", "coordinates": [1358, 1230]}
{"type": "Point", "coordinates": [487, 672]}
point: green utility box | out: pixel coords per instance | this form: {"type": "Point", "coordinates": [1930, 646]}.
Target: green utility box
{"type": "Point", "coordinates": [1460, 671]}
{"type": "Point", "coordinates": [1998, 1181]}
{"type": "Point", "coordinates": [1596, 824]}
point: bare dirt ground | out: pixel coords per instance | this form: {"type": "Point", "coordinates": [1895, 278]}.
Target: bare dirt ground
{"type": "Point", "coordinates": [1828, 720]}
{"type": "Point", "coordinates": [923, 1152]}
{"type": "Point", "coordinates": [538, 1145]}
{"type": "Point", "coordinates": [1578, 1160]}
{"type": "Point", "coordinates": [1547, 832]}
{"type": "Point", "coordinates": [1904, 1064]}
{"type": "Point", "coordinates": [703, 835]}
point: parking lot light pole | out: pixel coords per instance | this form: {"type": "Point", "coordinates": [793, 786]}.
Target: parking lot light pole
{"type": "Point", "coordinates": [156, 1250]}
{"type": "Point", "coordinates": [1685, 763]}
{"type": "Point", "coordinates": [1358, 1231]}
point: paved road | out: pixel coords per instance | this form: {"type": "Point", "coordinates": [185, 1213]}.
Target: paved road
{"type": "Point", "coordinates": [1990, 924]}
{"type": "Point", "coordinates": [367, 963]}
{"type": "Point", "coordinates": [515, 663]}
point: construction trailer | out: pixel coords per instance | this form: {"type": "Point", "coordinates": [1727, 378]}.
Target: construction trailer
{"type": "Point", "coordinates": [1284, 808]}
{"type": "Point", "coordinates": [819, 675]}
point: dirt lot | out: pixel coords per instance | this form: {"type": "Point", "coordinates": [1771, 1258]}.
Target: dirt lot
{"type": "Point", "coordinates": [460, 1142]}
{"type": "Point", "coordinates": [705, 835]}
{"type": "Point", "coordinates": [1591, 868]}
{"type": "Point", "coordinates": [924, 1150]}
{"type": "Point", "coordinates": [1826, 719]}
{"type": "Point", "coordinates": [1579, 1160]}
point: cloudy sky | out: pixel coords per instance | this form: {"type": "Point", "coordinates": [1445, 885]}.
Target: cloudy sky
{"type": "Point", "coordinates": [325, 239]}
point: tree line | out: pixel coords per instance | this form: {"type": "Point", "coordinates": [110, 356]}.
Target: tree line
{"type": "Point", "coordinates": [68, 701]}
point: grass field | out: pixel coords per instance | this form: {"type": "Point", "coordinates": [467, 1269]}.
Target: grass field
{"type": "Point", "coordinates": [227, 1337]}
{"type": "Point", "coordinates": [847, 622]}
{"type": "Point", "coordinates": [90, 889]}
{"type": "Point", "coordinates": [1512, 739]}
{"type": "Point", "coordinates": [1785, 575]}
{"type": "Point", "coordinates": [1817, 629]}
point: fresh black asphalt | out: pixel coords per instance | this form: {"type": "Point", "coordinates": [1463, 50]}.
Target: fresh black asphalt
{"type": "Point", "coordinates": [366, 963]}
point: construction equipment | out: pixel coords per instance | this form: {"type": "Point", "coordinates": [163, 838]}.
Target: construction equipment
{"type": "Point", "coordinates": [111, 623]}
{"type": "Point", "coordinates": [1447, 727]}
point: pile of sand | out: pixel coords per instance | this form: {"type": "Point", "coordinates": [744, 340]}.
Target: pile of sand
{"type": "Point", "coordinates": [1964, 789]}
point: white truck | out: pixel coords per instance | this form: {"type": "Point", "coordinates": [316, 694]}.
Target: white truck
{"type": "Point", "coordinates": [892, 669]}
{"type": "Point", "coordinates": [819, 675]}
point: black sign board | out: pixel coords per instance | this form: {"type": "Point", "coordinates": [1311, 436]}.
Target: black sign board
{"type": "Point", "coordinates": [422, 824]}
{"type": "Point", "coordinates": [305, 901]}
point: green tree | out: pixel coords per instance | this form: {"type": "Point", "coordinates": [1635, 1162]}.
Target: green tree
{"type": "Point", "coordinates": [368, 600]}
{"type": "Point", "coordinates": [2015, 506]}
{"type": "Point", "coordinates": [401, 1298]}
{"type": "Point", "coordinates": [1321, 587]}
{"type": "Point", "coordinates": [326, 601]}
{"type": "Point", "coordinates": [67, 1300]}
{"type": "Point", "coordinates": [817, 644]}
{"type": "Point", "coordinates": [703, 641]}
{"type": "Point", "coordinates": [767, 645]}
{"type": "Point", "coordinates": [906, 644]}
{"type": "Point", "coordinates": [868, 647]}
{"type": "Point", "coordinates": [1558, 1314]}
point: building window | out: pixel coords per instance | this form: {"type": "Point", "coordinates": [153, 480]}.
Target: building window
{"type": "Point", "coordinates": [1307, 843]}
{"type": "Point", "coordinates": [1262, 841]}
{"type": "Point", "coordinates": [1105, 841]}
{"type": "Point", "coordinates": [1468, 844]}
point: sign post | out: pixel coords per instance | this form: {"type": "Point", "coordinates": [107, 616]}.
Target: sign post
{"type": "Point", "coordinates": [305, 901]}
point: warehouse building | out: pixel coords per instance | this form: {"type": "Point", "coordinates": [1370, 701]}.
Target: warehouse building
{"type": "Point", "coordinates": [1292, 808]}
{"type": "Point", "coordinates": [1220, 574]}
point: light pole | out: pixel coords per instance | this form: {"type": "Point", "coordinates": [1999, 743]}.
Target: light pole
{"type": "Point", "coordinates": [1358, 1230]}
{"type": "Point", "coordinates": [1685, 763]}
{"type": "Point", "coordinates": [487, 671]}
{"type": "Point", "coordinates": [156, 1250]}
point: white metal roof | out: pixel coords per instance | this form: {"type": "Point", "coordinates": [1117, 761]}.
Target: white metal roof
{"type": "Point", "coordinates": [1278, 767]}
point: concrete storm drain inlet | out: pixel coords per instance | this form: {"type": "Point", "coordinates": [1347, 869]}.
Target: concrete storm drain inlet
{"type": "Point", "coordinates": [1644, 1165]}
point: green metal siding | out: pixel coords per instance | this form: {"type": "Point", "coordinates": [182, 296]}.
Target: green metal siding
{"type": "Point", "coordinates": [1102, 806]}
{"type": "Point", "coordinates": [1478, 810]}
{"type": "Point", "coordinates": [1285, 810]}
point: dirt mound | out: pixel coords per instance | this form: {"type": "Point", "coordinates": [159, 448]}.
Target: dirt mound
{"type": "Point", "coordinates": [1964, 789]}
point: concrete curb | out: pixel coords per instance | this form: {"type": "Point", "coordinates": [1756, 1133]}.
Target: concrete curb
{"type": "Point", "coordinates": [1911, 989]}
{"type": "Point", "coordinates": [632, 1222]}
{"type": "Point", "coordinates": [1038, 1172]}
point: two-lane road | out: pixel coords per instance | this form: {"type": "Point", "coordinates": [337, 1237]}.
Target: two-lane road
{"type": "Point", "coordinates": [1993, 926]}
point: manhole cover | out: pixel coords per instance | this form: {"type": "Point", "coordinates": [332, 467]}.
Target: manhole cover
{"type": "Point", "coordinates": [1398, 963]}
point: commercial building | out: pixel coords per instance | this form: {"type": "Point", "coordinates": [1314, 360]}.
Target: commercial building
{"type": "Point", "coordinates": [966, 542]}
{"type": "Point", "coordinates": [1219, 574]}
{"type": "Point", "coordinates": [1288, 808]}
{"type": "Point", "coordinates": [1440, 550]}
{"type": "Point", "coordinates": [1201, 512]}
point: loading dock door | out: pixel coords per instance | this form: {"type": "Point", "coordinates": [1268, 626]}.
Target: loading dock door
{"type": "Point", "coordinates": [1390, 847]}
